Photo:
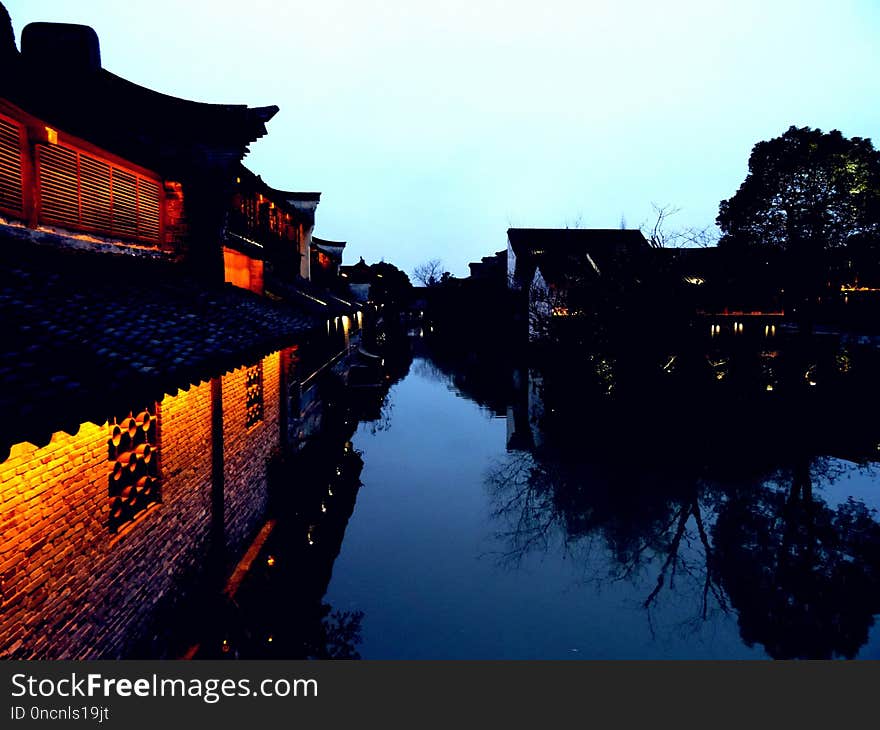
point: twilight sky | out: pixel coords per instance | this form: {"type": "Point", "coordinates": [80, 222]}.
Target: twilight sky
{"type": "Point", "coordinates": [430, 128]}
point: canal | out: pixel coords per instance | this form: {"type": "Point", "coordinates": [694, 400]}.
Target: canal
{"type": "Point", "coordinates": [472, 527]}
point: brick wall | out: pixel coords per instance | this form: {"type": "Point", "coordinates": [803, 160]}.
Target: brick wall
{"type": "Point", "coordinates": [69, 587]}
{"type": "Point", "coordinates": [246, 451]}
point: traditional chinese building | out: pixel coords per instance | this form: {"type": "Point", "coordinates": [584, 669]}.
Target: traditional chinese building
{"type": "Point", "coordinates": [268, 228]}
{"type": "Point", "coordinates": [326, 260]}
{"type": "Point", "coordinates": [143, 397]}
{"type": "Point", "coordinates": [557, 274]}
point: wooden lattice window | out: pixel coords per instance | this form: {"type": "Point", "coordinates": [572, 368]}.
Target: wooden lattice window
{"type": "Point", "coordinates": [83, 191]}
{"type": "Point", "coordinates": [134, 481]}
{"type": "Point", "coordinates": [254, 384]}
{"type": "Point", "coordinates": [11, 192]}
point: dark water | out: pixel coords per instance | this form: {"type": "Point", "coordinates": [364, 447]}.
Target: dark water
{"type": "Point", "coordinates": [492, 511]}
{"type": "Point", "coordinates": [462, 548]}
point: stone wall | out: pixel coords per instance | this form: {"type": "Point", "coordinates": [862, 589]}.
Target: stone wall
{"type": "Point", "coordinates": [69, 586]}
{"type": "Point", "coordinates": [246, 450]}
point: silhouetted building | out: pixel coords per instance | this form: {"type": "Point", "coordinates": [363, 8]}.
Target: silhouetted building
{"type": "Point", "coordinates": [267, 227]}
{"type": "Point", "coordinates": [359, 279]}
{"type": "Point", "coordinates": [562, 273]}
{"type": "Point", "coordinates": [326, 260]}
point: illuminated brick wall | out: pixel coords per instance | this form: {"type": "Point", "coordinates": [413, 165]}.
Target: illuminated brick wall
{"type": "Point", "coordinates": [246, 451]}
{"type": "Point", "coordinates": [69, 587]}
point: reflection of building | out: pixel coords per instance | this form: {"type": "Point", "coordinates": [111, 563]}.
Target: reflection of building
{"type": "Point", "coordinates": [525, 414]}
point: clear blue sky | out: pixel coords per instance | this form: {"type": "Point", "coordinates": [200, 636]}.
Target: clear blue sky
{"type": "Point", "coordinates": [432, 128]}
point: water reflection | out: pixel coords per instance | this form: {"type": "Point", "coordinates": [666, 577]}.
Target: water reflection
{"type": "Point", "coordinates": [690, 479]}
{"type": "Point", "coordinates": [279, 609]}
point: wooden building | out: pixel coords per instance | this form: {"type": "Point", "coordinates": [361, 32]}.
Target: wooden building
{"type": "Point", "coordinates": [84, 151]}
{"type": "Point", "coordinates": [267, 228]}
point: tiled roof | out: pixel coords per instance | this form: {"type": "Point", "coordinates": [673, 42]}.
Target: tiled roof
{"type": "Point", "coordinates": [153, 129]}
{"type": "Point", "coordinates": [83, 333]}
{"type": "Point", "coordinates": [564, 239]}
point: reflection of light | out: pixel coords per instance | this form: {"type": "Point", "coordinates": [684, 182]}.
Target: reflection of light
{"type": "Point", "coordinates": [270, 561]}
{"type": "Point", "coordinates": [812, 382]}
{"type": "Point", "coordinates": [269, 639]}
{"type": "Point", "coordinates": [330, 492]}
{"type": "Point", "coordinates": [338, 471]}
{"type": "Point", "coordinates": [769, 386]}
{"type": "Point", "coordinates": [225, 646]}
{"type": "Point", "coordinates": [323, 507]}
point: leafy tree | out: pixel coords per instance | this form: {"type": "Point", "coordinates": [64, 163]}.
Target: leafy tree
{"type": "Point", "coordinates": [808, 193]}
{"type": "Point", "coordinates": [390, 284]}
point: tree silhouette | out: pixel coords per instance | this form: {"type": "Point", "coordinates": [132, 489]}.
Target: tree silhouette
{"type": "Point", "coordinates": [430, 273]}
{"type": "Point", "coordinates": [804, 578]}
{"type": "Point", "coordinates": [808, 193]}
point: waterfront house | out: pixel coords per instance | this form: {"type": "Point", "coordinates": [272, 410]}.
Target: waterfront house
{"type": "Point", "coordinates": [143, 396]}
{"type": "Point", "coordinates": [359, 279]}
{"type": "Point", "coordinates": [269, 233]}
{"type": "Point", "coordinates": [326, 260]}
{"type": "Point", "coordinates": [560, 274]}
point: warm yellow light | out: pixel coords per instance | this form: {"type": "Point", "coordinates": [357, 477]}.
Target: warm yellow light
{"type": "Point", "coordinates": [270, 561]}
{"type": "Point", "coordinates": [51, 135]}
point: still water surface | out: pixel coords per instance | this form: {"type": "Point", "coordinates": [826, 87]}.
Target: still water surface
{"type": "Point", "coordinates": [460, 547]}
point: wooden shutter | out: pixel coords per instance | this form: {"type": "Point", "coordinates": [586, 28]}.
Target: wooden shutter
{"type": "Point", "coordinates": [59, 185]}
{"type": "Point", "coordinates": [83, 191]}
{"type": "Point", "coordinates": [124, 203]}
{"type": "Point", "coordinates": [95, 195]}
{"type": "Point", "coordinates": [10, 166]}
{"type": "Point", "coordinates": [149, 209]}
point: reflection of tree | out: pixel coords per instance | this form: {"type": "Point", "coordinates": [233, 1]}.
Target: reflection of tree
{"type": "Point", "coordinates": [520, 490]}
{"type": "Point", "coordinates": [675, 562]}
{"type": "Point", "coordinates": [337, 635]}
{"type": "Point", "coordinates": [646, 528]}
{"type": "Point", "coordinates": [805, 578]}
